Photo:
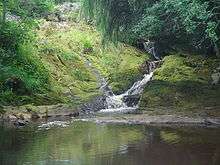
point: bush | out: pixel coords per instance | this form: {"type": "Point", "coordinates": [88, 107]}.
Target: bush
{"type": "Point", "coordinates": [12, 34]}
{"type": "Point", "coordinates": [32, 8]}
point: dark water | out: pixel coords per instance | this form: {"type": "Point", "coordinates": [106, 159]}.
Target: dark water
{"type": "Point", "coordinates": [93, 144]}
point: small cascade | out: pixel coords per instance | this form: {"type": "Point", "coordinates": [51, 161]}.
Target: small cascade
{"type": "Point", "coordinates": [127, 101]}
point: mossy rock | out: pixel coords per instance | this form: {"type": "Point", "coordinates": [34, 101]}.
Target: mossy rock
{"type": "Point", "coordinates": [182, 82]}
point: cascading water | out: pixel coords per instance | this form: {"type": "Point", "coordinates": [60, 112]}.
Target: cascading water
{"type": "Point", "coordinates": [118, 103]}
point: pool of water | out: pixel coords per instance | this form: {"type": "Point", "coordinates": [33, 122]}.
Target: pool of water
{"type": "Point", "coordinates": [85, 143]}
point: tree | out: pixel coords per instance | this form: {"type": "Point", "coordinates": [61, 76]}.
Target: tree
{"type": "Point", "coordinates": [191, 25]}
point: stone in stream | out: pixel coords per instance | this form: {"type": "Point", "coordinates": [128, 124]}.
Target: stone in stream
{"type": "Point", "coordinates": [20, 123]}
{"type": "Point", "coordinates": [35, 115]}
{"type": "Point", "coordinates": [131, 100]}
{"type": "Point", "coordinates": [216, 76]}
{"type": "Point", "coordinates": [12, 118]}
{"type": "Point", "coordinates": [96, 104]}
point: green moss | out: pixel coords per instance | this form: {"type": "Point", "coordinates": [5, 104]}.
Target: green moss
{"type": "Point", "coordinates": [55, 71]}
{"type": "Point", "coordinates": [183, 82]}
{"type": "Point", "coordinates": [120, 65]}
{"type": "Point", "coordinates": [62, 50]}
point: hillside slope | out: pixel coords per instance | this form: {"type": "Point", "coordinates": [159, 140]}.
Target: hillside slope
{"type": "Point", "coordinates": [62, 49]}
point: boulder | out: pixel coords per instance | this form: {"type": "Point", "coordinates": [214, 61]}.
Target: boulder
{"type": "Point", "coordinates": [96, 104]}
{"type": "Point", "coordinates": [12, 118]}
{"type": "Point", "coordinates": [216, 76]}
{"type": "Point", "coordinates": [20, 123]}
{"type": "Point", "coordinates": [131, 100]}
{"type": "Point", "coordinates": [73, 114]}
{"type": "Point", "coordinates": [35, 115]}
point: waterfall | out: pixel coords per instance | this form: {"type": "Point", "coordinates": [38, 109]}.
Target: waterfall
{"type": "Point", "coordinates": [127, 101]}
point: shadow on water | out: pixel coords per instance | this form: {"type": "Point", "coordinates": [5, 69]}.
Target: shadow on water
{"type": "Point", "coordinates": [94, 144]}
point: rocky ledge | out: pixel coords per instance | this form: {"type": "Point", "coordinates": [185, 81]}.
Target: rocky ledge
{"type": "Point", "coordinates": [157, 120]}
{"type": "Point", "coordinates": [23, 115]}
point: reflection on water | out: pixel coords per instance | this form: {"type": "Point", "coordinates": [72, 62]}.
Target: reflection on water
{"type": "Point", "coordinates": [92, 144]}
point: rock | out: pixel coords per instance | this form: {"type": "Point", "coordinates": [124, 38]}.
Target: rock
{"type": "Point", "coordinates": [21, 116]}
{"type": "Point", "coordinates": [73, 114]}
{"type": "Point", "coordinates": [52, 17]}
{"type": "Point", "coordinates": [149, 66]}
{"type": "Point", "coordinates": [12, 17]}
{"type": "Point", "coordinates": [20, 123]}
{"type": "Point", "coordinates": [87, 50]}
{"type": "Point", "coordinates": [2, 111]}
{"type": "Point", "coordinates": [68, 7]}
{"type": "Point", "coordinates": [96, 104]}
{"type": "Point", "coordinates": [215, 78]}
{"type": "Point", "coordinates": [34, 115]}
{"type": "Point", "coordinates": [12, 118]}
{"type": "Point", "coordinates": [131, 100]}
{"type": "Point", "coordinates": [24, 116]}
{"type": "Point", "coordinates": [152, 48]}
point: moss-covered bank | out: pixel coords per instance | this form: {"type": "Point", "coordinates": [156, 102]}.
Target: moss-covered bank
{"type": "Point", "coordinates": [183, 83]}
{"type": "Point", "coordinates": [60, 54]}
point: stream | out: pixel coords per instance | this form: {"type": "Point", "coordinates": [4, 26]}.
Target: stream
{"type": "Point", "coordinates": [86, 143]}
{"type": "Point", "coordinates": [126, 102]}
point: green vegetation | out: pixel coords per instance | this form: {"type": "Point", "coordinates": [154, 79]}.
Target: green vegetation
{"type": "Point", "coordinates": [44, 52]}
{"type": "Point", "coordinates": [43, 62]}
{"type": "Point", "coordinates": [186, 25]}
{"type": "Point", "coordinates": [120, 66]}
{"type": "Point", "coordinates": [183, 82]}
{"type": "Point", "coordinates": [174, 27]}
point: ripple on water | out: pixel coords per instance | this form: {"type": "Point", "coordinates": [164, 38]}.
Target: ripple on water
{"type": "Point", "coordinates": [49, 125]}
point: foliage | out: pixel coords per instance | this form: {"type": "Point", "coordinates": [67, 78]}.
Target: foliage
{"type": "Point", "coordinates": [12, 34]}
{"type": "Point", "coordinates": [19, 59]}
{"type": "Point", "coordinates": [180, 24]}
{"type": "Point", "coordinates": [30, 8]}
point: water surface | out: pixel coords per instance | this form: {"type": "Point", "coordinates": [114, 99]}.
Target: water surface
{"type": "Point", "coordinates": [84, 143]}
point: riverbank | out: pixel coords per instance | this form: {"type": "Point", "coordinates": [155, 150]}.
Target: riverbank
{"type": "Point", "coordinates": [28, 115]}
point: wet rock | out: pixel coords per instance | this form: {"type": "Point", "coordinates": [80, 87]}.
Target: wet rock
{"type": "Point", "coordinates": [35, 115]}
{"type": "Point", "coordinates": [149, 66]}
{"type": "Point", "coordinates": [20, 123]}
{"type": "Point", "coordinates": [12, 118]}
{"type": "Point", "coordinates": [96, 104]}
{"type": "Point", "coordinates": [73, 114]}
{"type": "Point", "coordinates": [216, 77]}
{"type": "Point", "coordinates": [131, 100]}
